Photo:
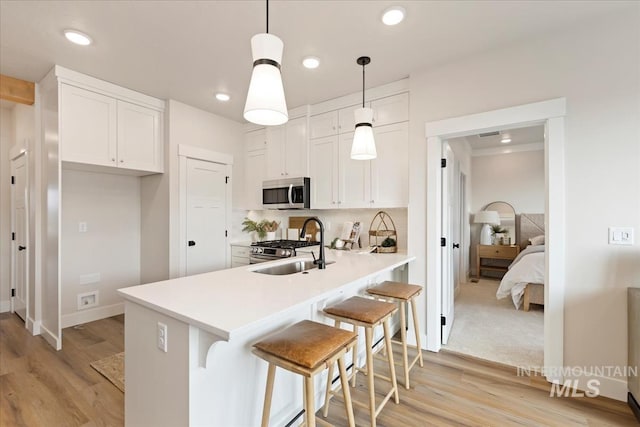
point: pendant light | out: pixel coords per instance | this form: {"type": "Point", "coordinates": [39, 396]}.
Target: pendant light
{"type": "Point", "coordinates": [266, 104]}
{"type": "Point", "coordinates": [364, 146]}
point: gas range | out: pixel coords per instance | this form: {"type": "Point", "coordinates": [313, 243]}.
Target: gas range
{"type": "Point", "coordinates": [276, 249]}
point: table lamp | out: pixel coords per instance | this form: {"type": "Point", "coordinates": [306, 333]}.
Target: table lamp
{"type": "Point", "coordinates": [488, 218]}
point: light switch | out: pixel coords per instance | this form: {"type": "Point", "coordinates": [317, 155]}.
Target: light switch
{"type": "Point", "coordinates": [621, 235]}
{"type": "Point", "coordinates": [82, 227]}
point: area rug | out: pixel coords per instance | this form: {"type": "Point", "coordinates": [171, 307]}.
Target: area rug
{"type": "Point", "coordinates": [493, 329]}
{"type": "Point", "coordinates": [112, 368]}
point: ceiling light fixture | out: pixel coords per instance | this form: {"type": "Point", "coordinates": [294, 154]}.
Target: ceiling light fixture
{"type": "Point", "coordinates": [311, 62]}
{"type": "Point", "coordinates": [77, 37]}
{"type": "Point", "coordinates": [393, 15]}
{"type": "Point", "coordinates": [266, 104]}
{"type": "Point", "coordinates": [364, 146]}
{"type": "Point", "coordinates": [222, 97]}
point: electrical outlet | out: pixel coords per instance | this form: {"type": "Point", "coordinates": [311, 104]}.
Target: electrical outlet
{"type": "Point", "coordinates": [162, 336]}
{"type": "Point", "coordinates": [621, 235]}
{"type": "Point", "coordinates": [82, 227]}
{"type": "Point", "coordinates": [88, 300]}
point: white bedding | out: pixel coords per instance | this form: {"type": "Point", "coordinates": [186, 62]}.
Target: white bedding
{"type": "Point", "coordinates": [528, 269]}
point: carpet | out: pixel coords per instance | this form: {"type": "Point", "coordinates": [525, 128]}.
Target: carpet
{"type": "Point", "coordinates": [494, 330]}
{"type": "Point", "coordinates": [112, 368]}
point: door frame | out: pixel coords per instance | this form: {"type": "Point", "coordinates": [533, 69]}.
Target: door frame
{"type": "Point", "coordinates": [551, 113]}
{"type": "Point", "coordinates": [14, 155]}
{"type": "Point", "coordinates": [190, 152]}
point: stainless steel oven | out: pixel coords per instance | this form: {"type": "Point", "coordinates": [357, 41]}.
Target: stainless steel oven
{"type": "Point", "coordinates": [275, 249]}
{"type": "Point", "coordinates": [290, 193]}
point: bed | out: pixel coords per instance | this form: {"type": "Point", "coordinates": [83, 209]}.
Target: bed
{"type": "Point", "coordinates": [524, 281]}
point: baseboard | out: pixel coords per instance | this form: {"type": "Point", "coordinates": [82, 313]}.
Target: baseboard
{"type": "Point", "coordinates": [50, 337]}
{"type": "Point", "coordinates": [5, 306]}
{"type": "Point", "coordinates": [33, 326]}
{"type": "Point", "coordinates": [92, 314]}
{"type": "Point", "coordinates": [612, 388]}
{"type": "Point", "coordinates": [633, 404]}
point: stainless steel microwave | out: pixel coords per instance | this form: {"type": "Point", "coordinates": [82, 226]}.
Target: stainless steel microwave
{"type": "Point", "coordinates": [290, 193]}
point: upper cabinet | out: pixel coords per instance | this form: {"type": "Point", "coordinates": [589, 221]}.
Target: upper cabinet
{"type": "Point", "coordinates": [97, 129]}
{"type": "Point", "coordinates": [287, 149]}
{"type": "Point", "coordinates": [255, 164]}
{"type": "Point", "coordinates": [389, 110]}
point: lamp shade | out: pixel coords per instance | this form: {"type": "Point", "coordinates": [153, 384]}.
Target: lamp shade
{"type": "Point", "coordinates": [487, 217]}
{"type": "Point", "coordinates": [266, 104]}
{"type": "Point", "coordinates": [363, 147]}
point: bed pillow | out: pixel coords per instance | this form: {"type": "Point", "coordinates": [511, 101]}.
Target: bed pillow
{"type": "Point", "coordinates": [537, 240]}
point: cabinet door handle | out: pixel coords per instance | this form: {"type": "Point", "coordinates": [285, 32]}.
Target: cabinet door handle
{"type": "Point", "coordinates": [113, 159]}
{"type": "Point", "coordinates": [121, 161]}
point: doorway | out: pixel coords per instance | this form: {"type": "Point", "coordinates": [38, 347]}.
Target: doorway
{"type": "Point", "coordinates": [549, 113]}
{"type": "Point", "coordinates": [19, 235]}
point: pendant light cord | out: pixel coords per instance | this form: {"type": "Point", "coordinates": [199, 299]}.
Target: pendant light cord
{"type": "Point", "coordinates": [267, 16]}
{"type": "Point", "coordinates": [362, 85]}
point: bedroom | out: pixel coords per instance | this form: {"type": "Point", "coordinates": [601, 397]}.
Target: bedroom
{"type": "Point", "coordinates": [498, 177]}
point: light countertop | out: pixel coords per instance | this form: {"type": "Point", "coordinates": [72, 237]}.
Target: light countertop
{"type": "Point", "coordinates": [228, 302]}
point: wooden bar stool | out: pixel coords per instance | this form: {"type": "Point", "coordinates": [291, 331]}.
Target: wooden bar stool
{"type": "Point", "coordinates": [367, 313]}
{"type": "Point", "coordinates": [402, 293]}
{"type": "Point", "coordinates": [306, 348]}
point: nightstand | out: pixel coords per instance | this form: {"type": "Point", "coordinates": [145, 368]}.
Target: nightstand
{"type": "Point", "coordinates": [502, 252]}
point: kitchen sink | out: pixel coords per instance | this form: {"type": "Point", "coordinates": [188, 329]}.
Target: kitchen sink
{"type": "Point", "coordinates": [296, 266]}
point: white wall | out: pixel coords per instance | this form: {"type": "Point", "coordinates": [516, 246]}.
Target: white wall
{"type": "Point", "coordinates": [198, 128]}
{"type": "Point", "coordinates": [596, 66]}
{"type": "Point", "coordinates": [6, 141]}
{"type": "Point", "coordinates": [515, 178]}
{"type": "Point", "coordinates": [110, 206]}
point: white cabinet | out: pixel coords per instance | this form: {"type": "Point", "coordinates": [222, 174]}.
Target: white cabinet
{"type": "Point", "coordinates": [325, 124]}
{"type": "Point", "coordinates": [239, 255]}
{"type": "Point", "coordinates": [392, 109]}
{"type": "Point", "coordinates": [97, 129]}
{"type": "Point", "coordinates": [287, 149]}
{"type": "Point", "coordinates": [255, 167]}
{"type": "Point", "coordinates": [390, 170]}
{"type": "Point", "coordinates": [337, 181]}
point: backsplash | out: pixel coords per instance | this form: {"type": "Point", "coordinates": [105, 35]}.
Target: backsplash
{"type": "Point", "coordinates": [332, 220]}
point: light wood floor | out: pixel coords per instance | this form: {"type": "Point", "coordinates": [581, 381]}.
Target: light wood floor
{"type": "Point", "coordinates": [42, 387]}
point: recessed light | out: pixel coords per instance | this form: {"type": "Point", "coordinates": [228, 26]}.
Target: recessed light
{"type": "Point", "coordinates": [77, 37]}
{"type": "Point", "coordinates": [311, 62]}
{"type": "Point", "coordinates": [222, 97]}
{"type": "Point", "coordinates": [393, 15]}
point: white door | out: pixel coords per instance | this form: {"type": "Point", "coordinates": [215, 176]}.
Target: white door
{"type": "Point", "coordinates": [448, 290]}
{"type": "Point", "coordinates": [20, 237]}
{"type": "Point", "coordinates": [206, 220]}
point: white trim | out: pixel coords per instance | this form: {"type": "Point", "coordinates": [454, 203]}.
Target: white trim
{"type": "Point", "coordinates": [549, 112]}
{"type": "Point", "coordinates": [505, 118]}
{"type": "Point", "coordinates": [196, 153]}
{"type": "Point", "coordinates": [203, 154]}
{"type": "Point", "coordinates": [49, 337]}
{"type": "Point", "coordinates": [93, 84]}
{"type": "Point", "coordinates": [505, 149]}
{"type": "Point", "coordinates": [33, 326]}
{"type": "Point", "coordinates": [91, 315]}
{"type": "Point", "coordinates": [5, 306]}
{"type": "Point", "coordinates": [612, 388]}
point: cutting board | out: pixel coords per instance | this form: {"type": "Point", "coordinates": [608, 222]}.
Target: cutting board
{"type": "Point", "coordinates": [297, 221]}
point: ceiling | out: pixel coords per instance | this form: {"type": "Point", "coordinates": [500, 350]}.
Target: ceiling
{"type": "Point", "coordinates": [520, 136]}
{"type": "Point", "coordinates": [188, 50]}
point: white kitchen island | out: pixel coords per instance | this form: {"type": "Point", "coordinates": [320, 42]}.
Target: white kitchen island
{"type": "Point", "coordinates": [208, 375]}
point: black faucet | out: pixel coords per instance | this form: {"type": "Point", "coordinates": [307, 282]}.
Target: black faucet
{"type": "Point", "coordinates": [320, 262]}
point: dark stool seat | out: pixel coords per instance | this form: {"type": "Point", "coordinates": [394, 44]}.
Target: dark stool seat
{"type": "Point", "coordinates": [306, 348]}
{"type": "Point", "coordinates": [367, 313]}
{"type": "Point", "coordinates": [402, 293]}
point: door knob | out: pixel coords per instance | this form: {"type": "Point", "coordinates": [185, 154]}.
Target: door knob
{"type": "Point", "coordinates": [456, 246]}
{"type": "Point", "coordinates": [22, 248]}
{"type": "Point", "coordinates": [191, 243]}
